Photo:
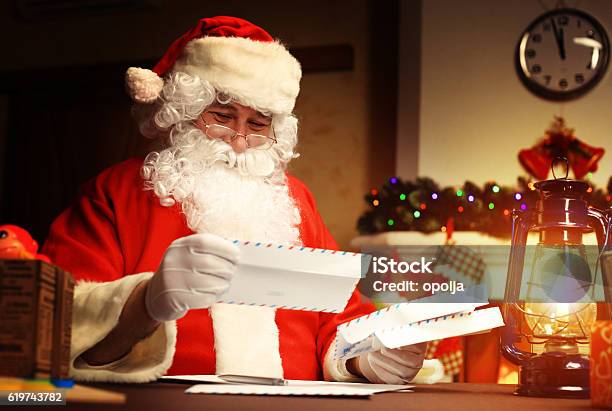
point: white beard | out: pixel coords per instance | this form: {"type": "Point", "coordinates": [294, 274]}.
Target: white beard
{"type": "Point", "coordinates": [237, 196]}
{"type": "Point", "coordinates": [246, 208]}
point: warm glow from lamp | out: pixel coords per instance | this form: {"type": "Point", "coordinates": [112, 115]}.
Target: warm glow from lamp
{"type": "Point", "coordinates": [560, 320]}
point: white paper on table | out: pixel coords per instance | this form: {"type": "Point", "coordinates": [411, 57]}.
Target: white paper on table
{"type": "Point", "coordinates": [294, 277]}
{"type": "Point", "coordinates": [412, 323]}
{"type": "Point", "coordinates": [195, 378]}
{"type": "Point", "coordinates": [298, 387]}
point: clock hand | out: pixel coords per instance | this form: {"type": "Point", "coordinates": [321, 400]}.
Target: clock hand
{"type": "Point", "coordinates": [562, 44]}
{"type": "Point", "coordinates": [595, 47]}
{"type": "Point", "coordinates": [559, 39]}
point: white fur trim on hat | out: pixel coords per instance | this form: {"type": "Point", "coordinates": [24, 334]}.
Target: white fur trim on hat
{"type": "Point", "coordinates": [143, 85]}
{"type": "Point", "coordinates": [262, 75]}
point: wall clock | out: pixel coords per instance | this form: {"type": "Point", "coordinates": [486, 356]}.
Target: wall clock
{"type": "Point", "coordinates": [562, 54]}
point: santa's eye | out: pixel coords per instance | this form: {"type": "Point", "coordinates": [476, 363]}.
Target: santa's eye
{"type": "Point", "coordinates": [257, 124]}
{"type": "Point", "coordinates": [221, 116]}
{"type": "Point", "coordinates": [3, 234]}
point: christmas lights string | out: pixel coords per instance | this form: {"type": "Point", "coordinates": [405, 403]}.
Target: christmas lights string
{"type": "Point", "coordinates": [422, 205]}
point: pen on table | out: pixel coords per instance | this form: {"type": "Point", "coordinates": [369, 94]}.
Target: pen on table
{"type": "Point", "coordinates": [249, 379]}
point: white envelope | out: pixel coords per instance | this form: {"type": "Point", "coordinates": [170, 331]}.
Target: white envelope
{"type": "Point", "coordinates": [295, 278]}
{"type": "Point", "coordinates": [412, 323]}
{"type": "Point", "coordinates": [463, 323]}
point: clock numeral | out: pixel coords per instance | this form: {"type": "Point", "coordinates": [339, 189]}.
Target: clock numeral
{"type": "Point", "coordinates": [579, 78]}
{"type": "Point", "coordinates": [530, 53]}
{"type": "Point", "coordinates": [536, 38]}
{"type": "Point", "coordinates": [563, 83]}
{"type": "Point", "coordinates": [546, 26]}
{"type": "Point", "coordinates": [578, 23]}
{"type": "Point", "coordinates": [590, 34]}
{"type": "Point", "coordinates": [547, 78]}
{"type": "Point", "coordinates": [563, 20]}
{"type": "Point", "coordinates": [536, 68]}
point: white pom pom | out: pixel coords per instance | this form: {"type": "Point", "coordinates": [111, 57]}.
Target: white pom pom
{"type": "Point", "coordinates": [143, 85]}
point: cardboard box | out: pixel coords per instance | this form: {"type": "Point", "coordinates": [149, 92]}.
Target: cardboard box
{"type": "Point", "coordinates": [35, 319]}
{"type": "Point", "coordinates": [62, 324]}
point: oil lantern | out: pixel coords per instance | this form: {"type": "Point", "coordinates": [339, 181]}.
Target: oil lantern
{"type": "Point", "coordinates": [552, 289]}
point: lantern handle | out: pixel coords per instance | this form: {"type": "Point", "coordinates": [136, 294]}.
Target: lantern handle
{"type": "Point", "coordinates": [555, 161]}
{"type": "Point", "coordinates": [507, 343]}
{"type": "Point", "coordinates": [522, 221]}
{"type": "Point", "coordinates": [602, 226]}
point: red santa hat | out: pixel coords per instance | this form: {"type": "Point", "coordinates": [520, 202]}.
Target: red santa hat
{"type": "Point", "coordinates": [234, 56]}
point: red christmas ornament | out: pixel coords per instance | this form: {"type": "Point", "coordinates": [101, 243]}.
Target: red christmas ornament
{"type": "Point", "coordinates": [559, 141]}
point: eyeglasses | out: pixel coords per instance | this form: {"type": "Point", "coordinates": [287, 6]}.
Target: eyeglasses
{"type": "Point", "coordinates": [254, 141]}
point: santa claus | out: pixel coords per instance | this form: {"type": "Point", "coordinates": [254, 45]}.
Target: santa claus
{"type": "Point", "coordinates": [148, 239]}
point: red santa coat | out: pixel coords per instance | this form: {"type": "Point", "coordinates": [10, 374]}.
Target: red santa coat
{"type": "Point", "coordinates": [115, 228]}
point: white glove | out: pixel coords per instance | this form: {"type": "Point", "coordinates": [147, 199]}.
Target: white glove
{"type": "Point", "coordinates": [393, 366]}
{"type": "Point", "coordinates": [195, 270]}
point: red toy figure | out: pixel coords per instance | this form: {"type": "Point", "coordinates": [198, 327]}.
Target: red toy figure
{"type": "Point", "coordinates": [17, 243]}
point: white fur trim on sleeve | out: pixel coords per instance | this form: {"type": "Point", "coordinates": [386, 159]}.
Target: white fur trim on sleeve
{"type": "Point", "coordinates": [335, 369]}
{"type": "Point", "coordinates": [96, 311]}
{"type": "Point", "coordinates": [431, 372]}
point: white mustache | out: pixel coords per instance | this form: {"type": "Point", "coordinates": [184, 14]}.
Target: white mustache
{"type": "Point", "coordinates": [251, 162]}
{"type": "Point", "coordinates": [171, 172]}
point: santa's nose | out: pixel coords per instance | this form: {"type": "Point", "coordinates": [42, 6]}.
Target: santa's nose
{"type": "Point", "coordinates": [239, 144]}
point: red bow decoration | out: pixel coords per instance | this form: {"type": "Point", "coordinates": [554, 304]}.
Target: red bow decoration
{"type": "Point", "coordinates": [559, 141]}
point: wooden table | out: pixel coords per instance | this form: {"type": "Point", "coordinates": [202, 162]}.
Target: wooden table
{"type": "Point", "coordinates": [452, 397]}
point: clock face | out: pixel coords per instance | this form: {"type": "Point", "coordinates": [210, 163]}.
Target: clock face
{"type": "Point", "coordinates": [562, 54]}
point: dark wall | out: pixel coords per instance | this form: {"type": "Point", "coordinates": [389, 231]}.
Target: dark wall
{"type": "Point", "coordinates": [66, 116]}
{"type": "Point", "coordinates": [61, 133]}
